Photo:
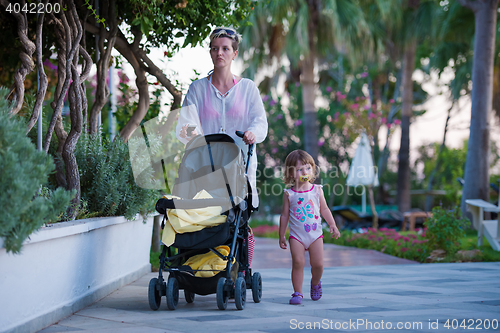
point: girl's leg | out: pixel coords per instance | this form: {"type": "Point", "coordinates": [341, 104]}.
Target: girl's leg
{"type": "Point", "coordinates": [298, 261]}
{"type": "Point", "coordinates": [316, 259]}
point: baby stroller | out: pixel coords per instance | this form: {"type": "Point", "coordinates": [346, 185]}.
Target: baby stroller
{"type": "Point", "coordinates": [213, 163]}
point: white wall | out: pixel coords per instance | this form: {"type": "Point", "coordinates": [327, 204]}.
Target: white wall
{"type": "Point", "coordinates": [67, 266]}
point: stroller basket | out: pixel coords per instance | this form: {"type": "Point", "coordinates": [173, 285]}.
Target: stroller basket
{"type": "Point", "coordinates": [214, 164]}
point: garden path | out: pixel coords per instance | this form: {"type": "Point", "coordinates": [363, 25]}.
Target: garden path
{"type": "Point", "coordinates": [268, 254]}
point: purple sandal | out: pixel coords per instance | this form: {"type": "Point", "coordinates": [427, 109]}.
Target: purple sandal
{"type": "Point", "coordinates": [316, 291]}
{"type": "Point", "coordinates": [296, 298]}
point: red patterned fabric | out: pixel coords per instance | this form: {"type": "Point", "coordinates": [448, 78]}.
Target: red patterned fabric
{"type": "Point", "coordinates": [251, 247]}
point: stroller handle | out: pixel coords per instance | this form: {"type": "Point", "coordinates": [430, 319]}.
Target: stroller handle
{"type": "Point", "coordinates": [163, 203]}
{"type": "Point", "coordinates": [241, 134]}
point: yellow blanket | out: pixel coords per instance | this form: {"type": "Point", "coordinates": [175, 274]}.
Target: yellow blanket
{"type": "Point", "coordinates": [208, 261]}
{"type": "Point", "coordinates": [191, 220]}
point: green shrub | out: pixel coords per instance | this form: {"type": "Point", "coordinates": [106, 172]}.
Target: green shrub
{"type": "Point", "coordinates": [445, 229]}
{"type": "Point", "coordinates": [107, 181]}
{"type": "Point", "coordinates": [24, 169]}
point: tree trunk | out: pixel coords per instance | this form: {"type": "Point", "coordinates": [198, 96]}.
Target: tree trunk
{"type": "Point", "coordinates": [429, 198]}
{"type": "Point", "coordinates": [309, 86]}
{"type": "Point", "coordinates": [42, 82]}
{"type": "Point", "coordinates": [102, 91]}
{"type": "Point", "coordinates": [372, 206]}
{"type": "Point", "coordinates": [26, 56]}
{"type": "Point", "coordinates": [404, 200]}
{"type": "Point", "coordinates": [141, 63]}
{"type": "Point", "coordinates": [478, 149]}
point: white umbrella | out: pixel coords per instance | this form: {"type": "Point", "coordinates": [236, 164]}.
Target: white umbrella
{"type": "Point", "coordinates": [362, 171]}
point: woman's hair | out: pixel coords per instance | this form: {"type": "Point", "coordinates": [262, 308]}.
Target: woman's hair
{"type": "Point", "coordinates": [230, 33]}
{"type": "Point", "coordinates": [291, 163]}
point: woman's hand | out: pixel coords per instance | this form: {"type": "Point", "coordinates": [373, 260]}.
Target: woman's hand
{"type": "Point", "coordinates": [183, 133]}
{"type": "Point", "coordinates": [249, 138]}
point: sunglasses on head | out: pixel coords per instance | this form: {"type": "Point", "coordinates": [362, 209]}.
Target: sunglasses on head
{"type": "Point", "coordinates": [228, 32]}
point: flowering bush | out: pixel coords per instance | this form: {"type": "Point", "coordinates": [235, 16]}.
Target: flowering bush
{"type": "Point", "coordinates": [357, 115]}
{"type": "Point", "coordinates": [266, 231]}
{"type": "Point", "coordinates": [412, 246]}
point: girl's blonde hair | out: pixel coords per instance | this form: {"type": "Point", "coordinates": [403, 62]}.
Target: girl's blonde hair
{"type": "Point", "coordinates": [291, 163]}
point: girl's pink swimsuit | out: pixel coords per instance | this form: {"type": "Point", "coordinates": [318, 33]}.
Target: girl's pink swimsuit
{"type": "Point", "coordinates": [305, 219]}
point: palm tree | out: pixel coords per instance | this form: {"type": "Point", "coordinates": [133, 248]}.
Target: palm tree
{"type": "Point", "coordinates": [477, 162]}
{"type": "Point", "coordinates": [303, 31]}
{"type": "Point", "coordinates": [416, 26]}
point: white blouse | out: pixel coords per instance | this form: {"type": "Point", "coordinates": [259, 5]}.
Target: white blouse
{"type": "Point", "coordinates": [240, 109]}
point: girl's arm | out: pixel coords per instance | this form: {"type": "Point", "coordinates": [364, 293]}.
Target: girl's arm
{"type": "Point", "coordinates": [327, 215]}
{"type": "Point", "coordinates": [285, 214]}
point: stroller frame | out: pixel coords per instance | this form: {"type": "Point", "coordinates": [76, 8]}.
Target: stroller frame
{"type": "Point", "coordinates": [232, 282]}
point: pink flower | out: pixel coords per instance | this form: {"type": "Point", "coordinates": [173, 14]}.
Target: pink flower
{"type": "Point", "coordinates": [329, 89]}
{"type": "Point", "coordinates": [298, 122]}
{"type": "Point", "coordinates": [398, 244]}
{"type": "Point", "coordinates": [50, 64]}
{"type": "Point", "coordinates": [364, 74]}
{"type": "Point", "coordinates": [321, 142]}
{"type": "Point", "coordinates": [397, 122]}
{"type": "Point", "coordinates": [366, 107]}
{"type": "Point", "coordinates": [354, 106]}
{"type": "Point", "coordinates": [383, 120]}
{"type": "Point", "coordinates": [342, 96]}
{"type": "Point", "coordinates": [371, 115]}
{"type": "Point", "coordinates": [389, 126]}
{"type": "Point", "coordinates": [274, 150]}
{"type": "Point", "coordinates": [279, 116]}
{"type": "Point", "coordinates": [265, 98]}
{"type": "Point", "coordinates": [404, 249]}
{"type": "Point", "coordinates": [391, 101]}
{"type": "Point", "coordinates": [297, 84]}
{"type": "Point", "coordinates": [272, 102]}
{"type": "Point", "coordinates": [406, 239]}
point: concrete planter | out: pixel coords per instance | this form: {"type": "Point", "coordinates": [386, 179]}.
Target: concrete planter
{"type": "Point", "coordinates": [67, 266]}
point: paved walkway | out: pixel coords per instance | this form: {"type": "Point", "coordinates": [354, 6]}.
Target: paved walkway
{"type": "Point", "coordinates": [364, 291]}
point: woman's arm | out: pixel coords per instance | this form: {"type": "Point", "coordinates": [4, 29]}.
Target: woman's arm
{"type": "Point", "coordinates": [285, 214]}
{"type": "Point", "coordinates": [189, 116]}
{"type": "Point", "coordinates": [327, 215]}
{"type": "Point", "coordinates": [257, 115]}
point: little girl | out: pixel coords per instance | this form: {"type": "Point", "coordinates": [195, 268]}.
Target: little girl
{"type": "Point", "coordinates": [303, 205]}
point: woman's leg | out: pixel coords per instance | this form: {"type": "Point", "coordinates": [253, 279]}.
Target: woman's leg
{"type": "Point", "coordinates": [298, 261]}
{"type": "Point", "coordinates": [316, 259]}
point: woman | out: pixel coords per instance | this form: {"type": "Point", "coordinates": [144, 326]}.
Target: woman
{"type": "Point", "coordinates": [225, 103]}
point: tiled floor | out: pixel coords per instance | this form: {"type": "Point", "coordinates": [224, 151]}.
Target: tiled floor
{"type": "Point", "coordinates": [384, 294]}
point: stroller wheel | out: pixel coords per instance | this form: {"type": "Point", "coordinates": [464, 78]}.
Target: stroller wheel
{"type": "Point", "coordinates": [154, 294]}
{"type": "Point", "coordinates": [257, 287]}
{"type": "Point", "coordinates": [222, 295]}
{"type": "Point", "coordinates": [240, 293]}
{"type": "Point", "coordinates": [189, 296]}
{"type": "Point", "coordinates": [172, 293]}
